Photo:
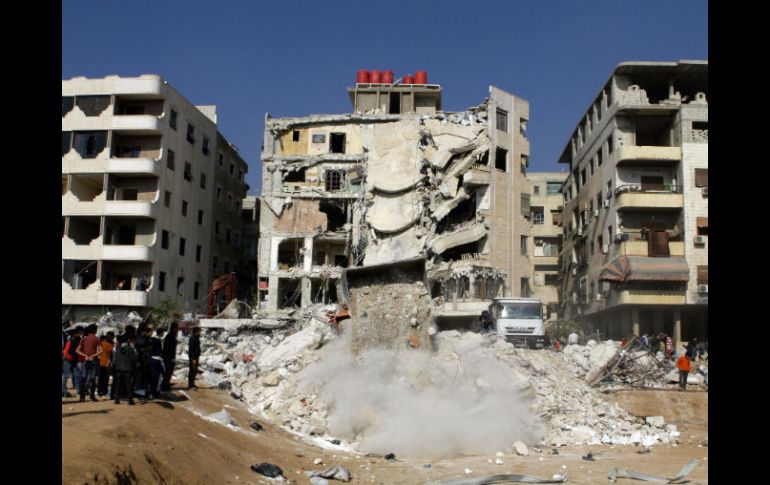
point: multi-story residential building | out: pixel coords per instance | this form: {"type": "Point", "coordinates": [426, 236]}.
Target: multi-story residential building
{"type": "Point", "coordinates": [247, 283]}
{"type": "Point", "coordinates": [138, 175]}
{"type": "Point", "coordinates": [545, 208]}
{"type": "Point", "coordinates": [635, 253]}
{"type": "Point", "coordinates": [397, 179]}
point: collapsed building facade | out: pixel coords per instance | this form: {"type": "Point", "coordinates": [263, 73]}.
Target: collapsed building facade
{"type": "Point", "coordinates": [146, 176]}
{"type": "Point", "coordinates": [397, 179]}
{"type": "Point", "coordinates": [635, 218]}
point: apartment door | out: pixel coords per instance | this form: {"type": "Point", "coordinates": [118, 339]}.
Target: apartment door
{"type": "Point", "coordinates": [657, 244]}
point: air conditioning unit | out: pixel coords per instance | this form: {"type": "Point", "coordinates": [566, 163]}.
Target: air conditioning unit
{"type": "Point", "coordinates": [605, 248]}
{"type": "Point", "coordinates": [699, 240]}
{"type": "Point", "coordinates": [596, 212]}
{"type": "Point", "coordinates": [703, 289]}
{"type": "Point", "coordinates": [705, 191]}
{"type": "Point", "coordinates": [606, 203]}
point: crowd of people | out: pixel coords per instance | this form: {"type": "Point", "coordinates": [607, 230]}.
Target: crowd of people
{"type": "Point", "coordinates": [139, 359]}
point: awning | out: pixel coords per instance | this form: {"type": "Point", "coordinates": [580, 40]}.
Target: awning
{"type": "Point", "coordinates": [702, 221]}
{"type": "Point", "coordinates": [644, 268]}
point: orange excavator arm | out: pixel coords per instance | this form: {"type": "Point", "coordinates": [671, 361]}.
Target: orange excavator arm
{"type": "Point", "coordinates": [228, 283]}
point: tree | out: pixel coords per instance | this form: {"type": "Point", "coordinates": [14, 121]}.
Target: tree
{"type": "Point", "coordinates": [164, 312]}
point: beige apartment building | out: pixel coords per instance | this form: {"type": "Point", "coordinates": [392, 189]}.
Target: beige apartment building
{"type": "Point", "coordinates": [546, 233]}
{"type": "Point", "coordinates": [138, 196]}
{"type": "Point", "coordinates": [635, 253]}
{"type": "Point", "coordinates": [397, 179]}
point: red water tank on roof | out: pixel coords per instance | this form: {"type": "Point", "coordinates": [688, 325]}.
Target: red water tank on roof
{"type": "Point", "coordinates": [374, 77]}
{"type": "Point", "coordinates": [363, 76]}
{"type": "Point", "coordinates": [421, 77]}
{"type": "Point", "coordinates": [408, 79]}
{"type": "Point", "coordinates": [387, 77]}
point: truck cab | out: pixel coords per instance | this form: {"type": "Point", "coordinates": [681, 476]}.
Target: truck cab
{"type": "Point", "coordinates": [519, 321]}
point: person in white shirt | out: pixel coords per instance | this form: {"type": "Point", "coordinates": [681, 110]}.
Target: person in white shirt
{"type": "Point", "coordinates": [572, 339]}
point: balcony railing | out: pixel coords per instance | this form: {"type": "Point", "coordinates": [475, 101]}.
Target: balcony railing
{"type": "Point", "coordinates": [664, 188]}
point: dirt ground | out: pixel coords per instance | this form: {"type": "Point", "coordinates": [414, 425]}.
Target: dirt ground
{"type": "Point", "coordinates": [165, 442]}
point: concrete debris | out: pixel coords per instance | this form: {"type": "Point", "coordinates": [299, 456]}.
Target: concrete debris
{"type": "Point", "coordinates": [521, 449]}
{"type": "Point", "coordinates": [336, 472]}
{"type": "Point", "coordinates": [508, 478]}
{"type": "Point", "coordinates": [656, 421]}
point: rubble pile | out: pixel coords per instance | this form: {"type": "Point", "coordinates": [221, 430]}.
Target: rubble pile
{"type": "Point", "coordinates": [383, 400]}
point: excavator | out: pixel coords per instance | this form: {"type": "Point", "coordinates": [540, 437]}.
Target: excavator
{"type": "Point", "coordinates": [226, 282]}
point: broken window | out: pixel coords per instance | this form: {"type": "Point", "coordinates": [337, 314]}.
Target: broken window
{"type": "Point", "coordinates": [295, 136]}
{"type": "Point", "coordinates": [502, 120]}
{"type": "Point", "coordinates": [337, 143]}
{"type": "Point", "coordinates": [290, 253]}
{"type": "Point", "coordinates": [90, 143]}
{"type": "Point", "coordinates": [334, 180]}
{"type": "Point", "coordinates": [180, 286]}
{"type": "Point", "coordinates": [319, 138]}
{"type": "Point", "coordinates": [170, 159]}
{"type": "Point", "coordinates": [172, 120]}
{"type": "Point", "coordinates": [295, 176]}
{"type": "Point", "coordinates": [336, 213]}
{"type": "Point", "coordinates": [484, 159]}
{"type": "Point", "coordinates": [190, 133]}
{"type": "Point", "coordinates": [552, 188]}
{"type": "Point", "coordinates": [67, 103]}
{"type": "Point", "coordinates": [188, 171]}
{"type": "Point", "coordinates": [701, 177]}
{"type": "Point", "coordinates": [164, 239]}
{"type": "Point", "coordinates": [92, 105]}
{"type": "Point", "coordinates": [501, 159]}
{"type": "Point", "coordinates": [289, 292]}
{"type": "Point", "coordinates": [556, 217]}
{"type": "Point", "coordinates": [66, 140]}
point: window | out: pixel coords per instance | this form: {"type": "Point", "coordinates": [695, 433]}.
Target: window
{"type": "Point", "coordinates": [609, 189]}
{"type": "Point", "coordinates": [172, 120]}
{"type": "Point", "coordinates": [216, 227]}
{"type": "Point", "coordinates": [522, 126]}
{"type": "Point", "coordinates": [66, 141]}
{"type": "Point", "coordinates": [162, 282]}
{"type": "Point", "coordinates": [229, 202]}
{"type": "Point", "coordinates": [536, 188]}
{"type": "Point", "coordinates": [240, 175]}
{"type": "Point", "coordinates": [164, 239]}
{"type": "Point", "coordinates": [609, 233]}
{"type": "Point", "coordinates": [599, 157]}
{"type": "Point", "coordinates": [523, 245]}
{"type": "Point", "coordinates": [583, 177]}
{"type": "Point", "coordinates": [501, 159]}
{"type": "Point", "coordinates": [190, 133]}
{"type": "Point", "coordinates": [67, 103]}
{"type": "Point", "coordinates": [196, 290]}
{"type": "Point", "coordinates": [701, 177]}
{"type": "Point", "coordinates": [538, 215]}
{"type": "Point", "coordinates": [90, 143]}
{"type": "Point", "coordinates": [184, 208]}
{"type": "Point", "coordinates": [337, 143]}
{"type": "Point", "coordinates": [295, 136]}
{"type": "Point", "coordinates": [599, 200]}
{"type": "Point", "coordinates": [188, 171]}
{"type": "Point", "coordinates": [502, 120]}
{"type": "Point", "coordinates": [525, 205]}
{"type": "Point", "coordinates": [524, 164]}
{"type": "Point", "coordinates": [702, 224]}
{"type": "Point", "coordinates": [592, 248]}
{"type": "Point", "coordinates": [203, 180]}
{"type": "Point", "coordinates": [198, 250]}
{"type": "Point", "coordinates": [556, 217]}
{"type": "Point", "coordinates": [221, 160]}
{"type": "Point", "coordinates": [592, 164]}
{"type": "Point", "coordinates": [552, 188]}
{"type": "Point", "coordinates": [180, 286]}
{"type": "Point", "coordinates": [703, 275]}
{"type": "Point", "coordinates": [200, 217]}
{"type": "Point", "coordinates": [205, 146]}
{"type": "Point", "coordinates": [227, 234]}
{"type": "Point", "coordinates": [232, 168]}
{"type": "Point", "coordinates": [600, 243]}
{"type": "Point", "coordinates": [170, 159]}
{"type": "Point", "coordinates": [610, 144]}
{"type": "Point", "coordinates": [215, 264]}
{"type": "Point", "coordinates": [321, 138]}
{"type": "Point", "coordinates": [167, 199]}
{"type": "Point", "coordinates": [525, 288]}
{"type": "Point", "coordinates": [334, 180]}
{"type": "Point", "coordinates": [219, 193]}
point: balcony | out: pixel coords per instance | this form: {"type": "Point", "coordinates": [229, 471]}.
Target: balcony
{"type": "Point", "coordinates": [648, 297]}
{"type": "Point", "coordinates": [130, 208]}
{"type": "Point", "coordinates": [135, 166]}
{"type": "Point", "coordinates": [103, 297]}
{"type": "Point", "coordinates": [476, 177]}
{"type": "Point", "coordinates": [636, 196]}
{"type": "Point", "coordinates": [137, 124]}
{"type": "Point", "coordinates": [461, 308]}
{"type": "Point", "coordinates": [640, 248]}
{"type": "Point", "coordinates": [545, 260]}
{"type": "Point", "coordinates": [643, 155]}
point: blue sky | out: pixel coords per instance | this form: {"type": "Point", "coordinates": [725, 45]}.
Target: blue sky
{"type": "Point", "coordinates": [293, 58]}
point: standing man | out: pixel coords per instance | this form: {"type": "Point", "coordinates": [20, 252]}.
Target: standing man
{"type": "Point", "coordinates": [684, 368]}
{"type": "Point", "coordinates": [169, 356]}
{"type": "Point", "coordinates": [194, 353]}
{"type": "Point", "coordinates": [70, 361]}
{"type": "Point", "coordinates": [90, 349]}
{"type": "Point", "coordinates": [487, 324]}
{"type": "Point", "coordinates": [155, 365]}
{"type": "Point", "coordinates": [105, 359]}
{"type": "Point", "coordinates": [126, 361]}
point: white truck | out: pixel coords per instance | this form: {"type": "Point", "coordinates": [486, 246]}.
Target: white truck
{"type": "Point", "coordinates": [519, 321]}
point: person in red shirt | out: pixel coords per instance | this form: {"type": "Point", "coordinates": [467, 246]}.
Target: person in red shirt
{"type": "Point", "coordinates": [89, 349]}
{"type": "Point", "coordinates": [683, 363]}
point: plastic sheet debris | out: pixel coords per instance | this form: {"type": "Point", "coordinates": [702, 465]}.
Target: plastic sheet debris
{"type": "Point", "coordinates": [506, 478]}
{"type": "Point", "coordinates": [390, 457]}
{"type": "Point", "coordinates": [616, 473]}
{"type": "Point", "coordinates": [256, 426]}
{"type": "Point", "coordinates": [318, 481]}
{"type": "Point", "coordinates": [336, 472]}
{"type": "Point", "coordinates": [222, 417]}
{"type": "Point", "coordinates": [589, 457]}
{"type": "Point", "coordinates": [334, 441]}
{"type": "Point", "coordinates": [268, 470]}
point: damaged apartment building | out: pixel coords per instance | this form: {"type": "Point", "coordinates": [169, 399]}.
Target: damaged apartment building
{"type": "Point", "coordinates": [397, 179]}
{"type": "Point", "coordinates": [151, 197]}
{"type": "Point", "coordinates": [635, 218]}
